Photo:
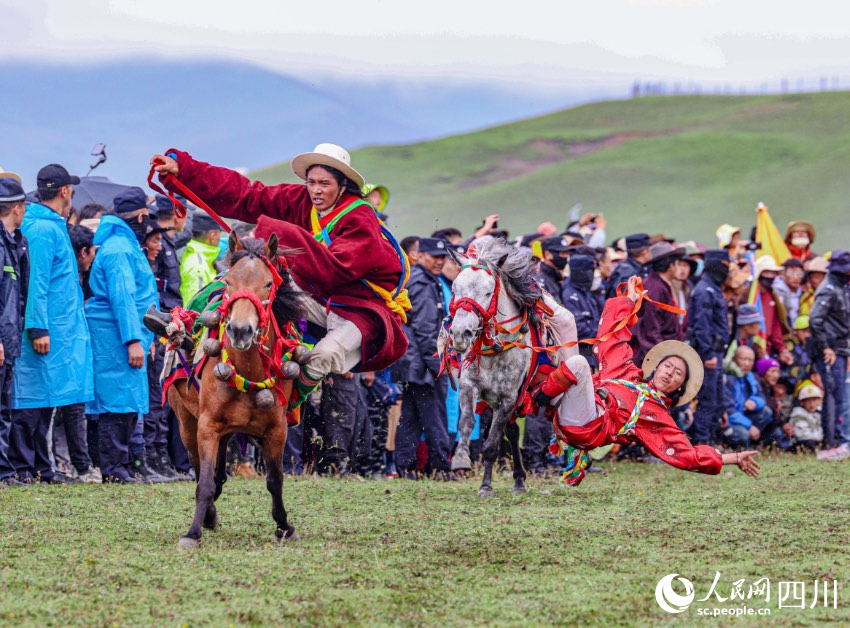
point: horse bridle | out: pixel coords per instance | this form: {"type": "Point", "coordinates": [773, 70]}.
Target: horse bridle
{"type": "Point", "coordinates": [263, 307]}
{"type": "Point", "coordinates": [468, 304]}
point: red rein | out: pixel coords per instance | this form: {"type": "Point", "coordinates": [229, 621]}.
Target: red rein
{"type": "Point", "coordinates": [273, 360]}
{"type": "Point", "coordinates": [488, 316]}
{"type": "Point", "coordinates": [178, 206]}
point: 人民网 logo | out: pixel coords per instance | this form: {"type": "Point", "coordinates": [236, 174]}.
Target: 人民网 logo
{"type": "Point", "coordinates": [668, 599]}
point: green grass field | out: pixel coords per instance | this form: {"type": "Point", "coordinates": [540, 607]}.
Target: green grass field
{"type": "Point", "coordinates": [426, 553]}
{"type": "Point", "coordinates": [680, 165]}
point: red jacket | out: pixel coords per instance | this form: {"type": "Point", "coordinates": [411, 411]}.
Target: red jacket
{"type": "Point", "coordinates": [655, 428]}
{"type": "Point", "coordinates": [330, 274]}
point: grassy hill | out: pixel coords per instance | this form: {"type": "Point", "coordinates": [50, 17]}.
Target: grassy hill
{"type": "Point", "coordinates": [679, 165]}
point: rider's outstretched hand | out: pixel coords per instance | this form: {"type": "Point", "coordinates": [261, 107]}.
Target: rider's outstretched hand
{"type": "Point", "coordinates": [745, 462]}
{"type": "Point", "coordinates": [167, 165]}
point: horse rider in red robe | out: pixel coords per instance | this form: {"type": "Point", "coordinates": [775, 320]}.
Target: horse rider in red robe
{"type": "Point", "coordinates": [629, 405]}
{"type": "Point", "coordinates": [345, 259]}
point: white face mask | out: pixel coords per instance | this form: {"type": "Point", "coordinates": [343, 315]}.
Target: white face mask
{"type": "Point", "coordinates": [597, 280]}
{"type": "Point", "coordinates": [800, 242]}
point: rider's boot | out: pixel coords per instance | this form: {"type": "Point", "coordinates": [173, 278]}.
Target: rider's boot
{"type": "Point", "coordinates": [158, 323]}
{"type": "Point", "coordinates": [559, 381]}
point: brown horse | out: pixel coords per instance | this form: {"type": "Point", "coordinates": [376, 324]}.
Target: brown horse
{"type": "Point", "coordinates": [209, 418]}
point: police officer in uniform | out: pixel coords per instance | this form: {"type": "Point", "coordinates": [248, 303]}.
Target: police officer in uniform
{"type": "Point", "coordinates": [637, 247]}
{"type": "Point", "coordinates": [550, 272]}
{"type": "Point", "coordinates": [424, 405]}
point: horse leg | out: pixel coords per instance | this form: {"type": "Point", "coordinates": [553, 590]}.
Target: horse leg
{"type": "Point", "coordinates": [188, 424]}
{"type": "Point", "coordinates": [208, 442]}
{"type": "Point", "coordinates": [273, 445]}
{"type": "Point", "coordinates": [466, 423]}
{"type": "Point", "coordinates": [491, 449]}
{"type": "Point", "coordinates": [512, 432]}
{"type": "Point", "coordinates": [211, 518]}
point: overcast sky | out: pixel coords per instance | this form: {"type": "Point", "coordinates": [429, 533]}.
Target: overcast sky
{"type": "Point", "coordinates": [530, 41]}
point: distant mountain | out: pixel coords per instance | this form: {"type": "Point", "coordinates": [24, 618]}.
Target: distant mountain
{"type": "Point", "coordinates": [231, 114]}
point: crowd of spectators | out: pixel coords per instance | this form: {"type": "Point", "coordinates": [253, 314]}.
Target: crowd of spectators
{"type": "Point", "coordinates": [80, 398]}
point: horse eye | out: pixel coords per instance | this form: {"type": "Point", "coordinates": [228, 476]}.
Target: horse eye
{"type": "Point", "coordinates": [269, 286]}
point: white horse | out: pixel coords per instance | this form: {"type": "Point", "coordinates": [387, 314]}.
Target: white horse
{"type": "Point", "coordinates": [494, 302]}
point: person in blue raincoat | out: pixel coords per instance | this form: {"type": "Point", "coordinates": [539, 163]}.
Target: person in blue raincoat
{"type": "Point", "coordinates": [55, 367]}
{"type": "Point", "coordinates": [123, 288]}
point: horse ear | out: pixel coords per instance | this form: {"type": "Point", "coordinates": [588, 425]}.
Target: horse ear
{"type": "Point", "coordinates": [234, 243]}
{"type": "Point", "coordinates": [502, 260]}
{"type": "Point", "coordinates": [457, 257]}
{"type": "Point", "coordinates": [271, 246]}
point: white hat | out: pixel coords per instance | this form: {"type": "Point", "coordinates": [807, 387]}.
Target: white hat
{"type": "Point", "coordinates": [810, 391]}
{"type": "Point", "coordinates": [326, 155]}
{"type": "Point", "coordinates": [767, 262]}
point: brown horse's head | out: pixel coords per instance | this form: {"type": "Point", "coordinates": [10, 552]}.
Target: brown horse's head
{"type": "Point", "coordinates": [249, 274]}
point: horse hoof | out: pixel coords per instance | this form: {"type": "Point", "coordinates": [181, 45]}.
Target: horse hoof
{"type": "Point", "coordinates": [212, 525]}
{"type": "Point", "coordinates": [461, 463]}
{"type": "Point", "coordinates": [519, 490]}
{"type": "Point", "coordinates": [486, 491]}
{"type": "Point", "coordinates": [188, 543]}
{"type": "Point", "coordinates": [291, 535]}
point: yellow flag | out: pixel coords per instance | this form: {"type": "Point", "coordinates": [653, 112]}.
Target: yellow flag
{"type": "Point", "coordinates": [769, 237]}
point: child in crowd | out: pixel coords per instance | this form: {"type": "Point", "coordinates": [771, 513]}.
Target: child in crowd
{"type": "Point", "coordinates": [805, 418]}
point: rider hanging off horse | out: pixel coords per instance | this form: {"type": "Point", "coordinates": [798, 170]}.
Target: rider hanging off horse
{"type": "Point", "coordinates": [345, 260]}
{"type": "Point", "coordinates": [626, 404]}
{"type": "Point", "coordinates": [487, 349]}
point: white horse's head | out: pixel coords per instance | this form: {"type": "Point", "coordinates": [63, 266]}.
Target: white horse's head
{"type": "Point", "coordinates": [474, 293]}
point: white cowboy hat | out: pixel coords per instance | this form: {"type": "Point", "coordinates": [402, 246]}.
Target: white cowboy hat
{"type": "Point", "coordinates": [326, 155]}
{"type": "Point", "coordinates": [665, 349]}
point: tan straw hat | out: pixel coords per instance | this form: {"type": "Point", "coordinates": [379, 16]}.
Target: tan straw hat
{"type": "Point", "coordinates": [667, 348]}
{"type": "Point", "coordinates": [800, 225]}
{"type": "Point", "coordinates": [326, 155]}
{"type": "Point", "coordinates": [5, 174]}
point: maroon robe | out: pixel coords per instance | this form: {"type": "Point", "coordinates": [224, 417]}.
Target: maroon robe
{"type": "Point", "coordinates": [330, 274]}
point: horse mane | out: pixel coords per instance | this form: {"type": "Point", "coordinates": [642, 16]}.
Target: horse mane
{"type": "Point", "coordinates": [515, 271]}
{"type": "Point", "coordinates": [288, 305]}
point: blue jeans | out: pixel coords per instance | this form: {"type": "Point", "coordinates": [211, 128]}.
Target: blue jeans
{"type": "Point", "coordinates": [841, 428]}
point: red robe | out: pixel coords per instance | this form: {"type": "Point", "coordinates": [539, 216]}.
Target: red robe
{"type": "Point", "coordinates": [330, 274]}
{"type": "Point", "coordinates": [655, 428]}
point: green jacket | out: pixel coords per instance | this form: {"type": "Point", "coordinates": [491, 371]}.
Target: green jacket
{"type": "Point", "coordinates": [196, 268]}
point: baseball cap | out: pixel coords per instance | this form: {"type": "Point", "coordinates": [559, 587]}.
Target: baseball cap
{"type": "Point", "coordinates": [54, 176]}
{"type": "Point", "coordinates": [11, 191]}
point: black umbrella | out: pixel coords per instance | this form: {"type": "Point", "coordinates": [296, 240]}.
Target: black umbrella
{"type": "Point", "coordinates": [98, 190]}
